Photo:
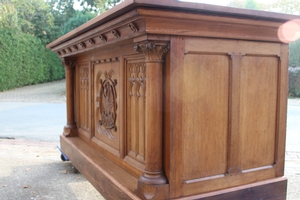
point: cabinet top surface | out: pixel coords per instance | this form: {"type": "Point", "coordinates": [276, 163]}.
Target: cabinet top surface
{"type": "Point", "coordinates": [173, 5]}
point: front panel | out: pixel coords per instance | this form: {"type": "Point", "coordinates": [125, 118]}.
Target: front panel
{"type": "Point", "coordinates": [107, 89]}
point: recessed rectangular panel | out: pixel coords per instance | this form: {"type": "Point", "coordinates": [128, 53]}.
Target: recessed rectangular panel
{"type": "Point", "coordinates": [258, 101]}
{"type": "Point", "coordinates": [107, 104]}
{"type": "Point", "coordinates": [135, 107]}
{"type": "Point", "coordinates": [84, 103]}
{"type": "Point", "coordinates": [205, 115]}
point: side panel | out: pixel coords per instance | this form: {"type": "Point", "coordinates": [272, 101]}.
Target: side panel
{"type": "Point", "coordinates": [258, 103]}
{"type": "Point", "coordinates": [205, 115]}
{"type": "Point", "coordinates": [231, 122]}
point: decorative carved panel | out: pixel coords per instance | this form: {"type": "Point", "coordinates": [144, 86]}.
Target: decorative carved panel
{"type": "Point", "coordinates": [136, 97]}
{"type": "Point", "coordinates": [106, 102]}
{"type": "Point", "coordinates": [84, 93]}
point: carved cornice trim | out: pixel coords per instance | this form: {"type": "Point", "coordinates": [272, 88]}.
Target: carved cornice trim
{"type": "Point", "coordinates": [154, 52]}
{"type": "Point", "coordinates": [115, 33]}
{"type": "Point", "coordinates": [69, 64]}
{"type": "Point", "coordinates": [82, 45]}
{"type": "Point", "coordinates": [91, 42]}
{"type": "Point", "coordinates": [98, 40]}
{"type": "Point", "coordinates": [75, 48]}
{"type": "Point", "coordinates": [133, 28]}
{"type": "Point", "coordinates": [102, 38]}
{"type": "Point", "coordinates": [105, 60]}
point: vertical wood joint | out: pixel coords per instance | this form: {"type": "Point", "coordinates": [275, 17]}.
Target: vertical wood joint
{"type": "Point", "coordinates": [234, 160]}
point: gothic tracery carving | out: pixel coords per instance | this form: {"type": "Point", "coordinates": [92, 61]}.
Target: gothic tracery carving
{"type": "Point", "coordinates": [137, 79]}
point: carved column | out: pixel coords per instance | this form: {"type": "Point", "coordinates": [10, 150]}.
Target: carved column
{"type": "Point", "coordinates": [70, 130]}
{"type": "Point", "coordinates": [154, 52]}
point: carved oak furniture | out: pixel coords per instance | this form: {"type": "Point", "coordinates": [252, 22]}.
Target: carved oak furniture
{"type": "Point", "coordinates": [167, 100]}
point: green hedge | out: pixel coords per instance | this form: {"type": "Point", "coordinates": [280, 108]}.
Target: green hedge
{"type": "Point", "coordinates": [24, 60]}
{"type": "Point", "coordinates": [294, 82]}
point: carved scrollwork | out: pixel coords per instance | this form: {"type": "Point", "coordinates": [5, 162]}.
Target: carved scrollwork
{"type": "Point", "coordinates": [107, 104]}
{"type": "Point", "coordinates": [153, 51]}
{"type": "Point", "coordinates": [133, 28]}
{"type": "Point", "coordinates": [115, 33]}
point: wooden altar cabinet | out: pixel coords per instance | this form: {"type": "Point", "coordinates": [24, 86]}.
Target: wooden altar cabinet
{"type": "Point", "coordinates": [167, 100]}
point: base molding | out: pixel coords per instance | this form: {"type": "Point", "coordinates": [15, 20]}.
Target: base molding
{"type": "Point", "coordinates": [98, 170]}
{"type": "Point", "coordinates": [273, 189]}
{"type": "Point", "coordinates": [113, 182]}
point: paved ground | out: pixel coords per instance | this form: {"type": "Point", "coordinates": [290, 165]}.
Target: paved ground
{"type": "Point", "coordinates": [53, 92]}
{"type": "Point", "coordinates": [30, 165]}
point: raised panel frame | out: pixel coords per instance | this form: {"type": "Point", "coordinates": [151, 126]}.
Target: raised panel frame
{"type": "Point", "coordinates": [236, 49]}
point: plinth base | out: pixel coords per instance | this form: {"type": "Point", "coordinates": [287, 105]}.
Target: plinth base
{"type": "Point", "coordinates": [113, 182]}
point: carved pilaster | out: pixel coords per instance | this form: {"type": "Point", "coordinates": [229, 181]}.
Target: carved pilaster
{"type": "Point", "coordinates": [153, 174]}
{"type": "Point", "coordinates": [70, 129]}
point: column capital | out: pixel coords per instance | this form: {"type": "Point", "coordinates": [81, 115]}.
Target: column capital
{"type": "Point", "coordinates": [154, 51]}
{"type": "Point", "coordinates": [68, 63]}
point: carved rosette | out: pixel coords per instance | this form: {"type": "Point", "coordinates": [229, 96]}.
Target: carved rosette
{"type": "Point", "coordinates": [154, 52]}
{"type": "Point", "coordinates": [107, 104]}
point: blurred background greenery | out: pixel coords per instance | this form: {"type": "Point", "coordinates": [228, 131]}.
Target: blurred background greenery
{"type": "Point", "coordinates": [26, 26]}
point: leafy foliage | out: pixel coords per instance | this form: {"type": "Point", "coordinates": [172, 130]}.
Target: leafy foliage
{"type": "Point", "coordinates": [8, 16]}
{"type": "Point", "coordinates": [24, 60]}
{"type": "Point", "coordinates": [286, 6]}
{"type": "Point", "coordinates": [29, 16]}
{"type": "Point", "coordinates": [294, 82]}
{"type": "Point", "coordinates": [251, 4]}
{"type": "Point", "coordinates": [294, 57]}
{"type": "Point", "coordinates": [104, 5]}
{"type": "Point", "coordinates": [79, 19]}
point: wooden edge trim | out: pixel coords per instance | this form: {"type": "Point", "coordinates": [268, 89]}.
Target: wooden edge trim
{"type": "Point", "coordinates": [81, 153]}
{"type": "Point", "coordinates": [275, 188]}
{"type": "Point", "coordinates": [174, 5]}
